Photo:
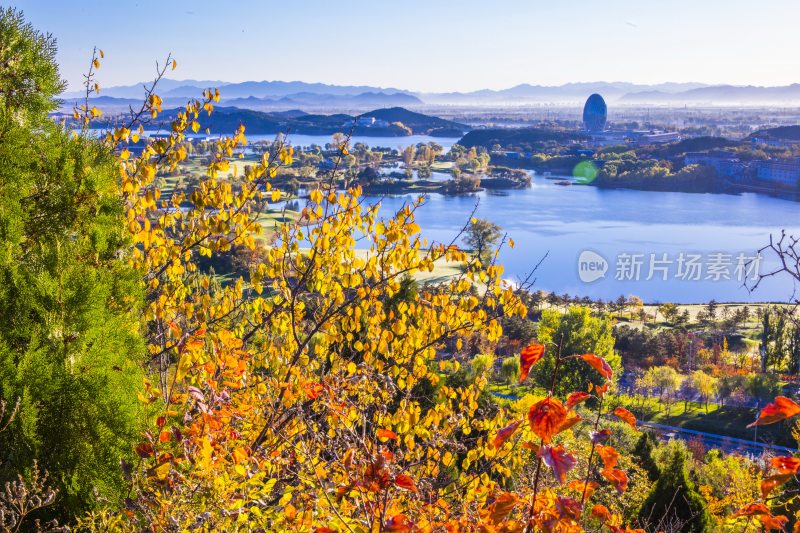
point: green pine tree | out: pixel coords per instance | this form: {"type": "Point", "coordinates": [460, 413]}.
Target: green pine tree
{"type": "Point", "coordinates": [644, 452]}
{"type": "Point", "coordinates": [674, 503]}
{"type": "Point", "coordinates": [70, 348]}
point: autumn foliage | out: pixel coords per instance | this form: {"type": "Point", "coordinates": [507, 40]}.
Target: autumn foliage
{"type": "Point", "coordinates": [318, 392]}
{"type": "Point", "coordinates": [313, 394]}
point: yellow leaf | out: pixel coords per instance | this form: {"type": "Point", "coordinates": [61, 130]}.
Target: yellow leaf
{"type": "Point", "coordinates": [162, 471]}
{"type": "Point", "coordinates": [174, 64]}
{"type": "Point", "coordinates": [96, 63]}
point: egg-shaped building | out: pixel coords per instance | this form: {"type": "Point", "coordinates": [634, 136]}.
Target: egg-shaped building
{"type": "Point", "coordinates": [595, 114]}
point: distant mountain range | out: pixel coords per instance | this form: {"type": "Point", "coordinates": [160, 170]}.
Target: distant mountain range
{"type": "Point", "coordinates": [377, 123]}
{"type": "Point", "coordinates": [282, 95]}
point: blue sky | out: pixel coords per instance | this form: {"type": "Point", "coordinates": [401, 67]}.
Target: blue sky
{"type": "Point", "coordinates": [430, 45]}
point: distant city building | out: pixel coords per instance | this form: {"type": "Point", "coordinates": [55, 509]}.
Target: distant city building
{"type": "Point", "coordinates": [784, 173]}
{"type": "Point", "coordinates": [656, 137]}
{"type": "Point", "coordinates": [595, 114]}
{"type": "Point", "coordinates": [724, 162]}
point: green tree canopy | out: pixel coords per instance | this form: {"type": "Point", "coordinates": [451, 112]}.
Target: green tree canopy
{"type": "Point", "coordinates": [70, 348]}
{"type": "Point", "coordinates": [579, 332]}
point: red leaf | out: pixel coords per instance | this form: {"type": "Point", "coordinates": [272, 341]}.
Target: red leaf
{"type": "Point", "coordinates": [786, 465]}
{"type": "Point", "coordinates": [324, 530]}
{"type": "Point", "coordinates": [577, 397]}
{"type": "Point", "coordinates": [599, 364]}
{"type": "Point", "coordinates": [502, 507]}
{"type": "Point", "coordinates": [405, 482]}
{"type": "Point", "coordinates": [144, 450]}
{"type": "Point", "coordinates": [601, 512]}
{"type": "Point", "coordinates": [505, 433]}
{"type": "Point", "coordinates": [546, 417]}
{"type": "Point", "coordinates": [617, 477]}
{"type": "Point", "coordinates": [772, 482]}
{"type": "Point", "coordinates": [774, 522]}
{"type": "Point", "coordinates": [313, 390]}
{"type": "Point", "coordinates": [398, 524]}
{"type": "Point", "coordinates": [569, 422]}
{"type": "Point", "coordinates": [782, 409]}
{"type": "Point", "coordinates": [386, 434]}
{"type": "Point", "coordinates": [626, 416]}
{"type": "Point", "coordinates": [608, 454]}
{"type": "Point", "coordinates": [582, 487]}
{"type": "Point", "coordinates": [753, 509]}
{"type": "Point", "coordinates": [528, 357]}
{"type": "Point", "coordinates": [600, 436]}
{"type": "Point", "coordinates": [530, 445]}
{"type": "Point", "coordinates": [559, 460]}
{"type": "Point", "coordinates": [568, 507]}
{"type": "Point", "coordinates": [602, 389]}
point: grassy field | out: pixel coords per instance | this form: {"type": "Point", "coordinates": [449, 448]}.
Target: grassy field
{"type": "Point", "coordinates": [727, 421]}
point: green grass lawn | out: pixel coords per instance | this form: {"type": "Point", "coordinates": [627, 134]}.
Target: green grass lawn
{"type": "Point", "coordinates": [726, 421]}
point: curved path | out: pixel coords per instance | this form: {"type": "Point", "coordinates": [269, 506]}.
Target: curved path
{"type": "Point", "coordinates": [726, 444]}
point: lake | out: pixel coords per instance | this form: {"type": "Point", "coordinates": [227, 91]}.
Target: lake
{"type": "Point", "coordinates": [373, 142]}
{"type": "Point", "coordinates": [695, 241]}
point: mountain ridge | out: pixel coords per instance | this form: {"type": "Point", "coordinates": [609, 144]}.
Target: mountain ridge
{"type": "Point", "coordinates": [277, 93]}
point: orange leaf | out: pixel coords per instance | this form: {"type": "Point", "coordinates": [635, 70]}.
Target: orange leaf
{"type": "Point", "coordinates": [782, 409]}
{"type": "Point", "coordinates": [772, 482]}
{"type": "Point", "coordinates": [528, 357]}
{"type": "Point", "coordinates": [580, 487]}
{"type": "Point", "coordinates": [577, 397]}
{"type": "Point", "coordinates": [530, 445]}
{"type": "Point", "coordinates": [164, 436]}
{"type": "Point", "coordinates": [546, 417]}
{"type": "Point", "coordinates": [559, 460]}
{"type": "Point", "coordinates": [601, 512]}
{"type": "Point", "coordinates": [502, 507]}
{"type": "Point", "coordinates": [386, 434]}
{"type": "Point", "coordinates": [569, 422]}
{"type": "Point", "coordinates": [398, 524]}
{"type": "Point", "coordinates": [626, 416]}
{"type": "Point", "coordinates": [313, 390]}
{"type": "Point", "coordinates": [608, 454]}
{"type": "Point", "coordinates": [617, 477]}
{"type": "Point", "coordinates": [405, 482]}
{"type": "Point", "coordinates": [599, 364]}
{"type": "Point", "coordinates": [786, 465]}
{"type": "Point", "coordinates": [602, 389]}
{"type": "Point", "coordinates": [568, 507]}
{"type": "Point", "coordinates": [505, 433]}
{"type": "Point", "coordinates": [770, 523]}
{"type": "Point", "coordinates": [753, 509]}
{"type": "Point", "coordinates": [290, 511]}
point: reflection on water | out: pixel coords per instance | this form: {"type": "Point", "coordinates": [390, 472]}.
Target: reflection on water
{"type": "Point", "coordinates": [564, 221]}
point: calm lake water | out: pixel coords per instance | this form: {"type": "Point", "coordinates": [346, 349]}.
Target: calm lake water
{"type": "Point", "coordinates": [387, 142]}
{"type": "Point", "coordinates": [714, 232]}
